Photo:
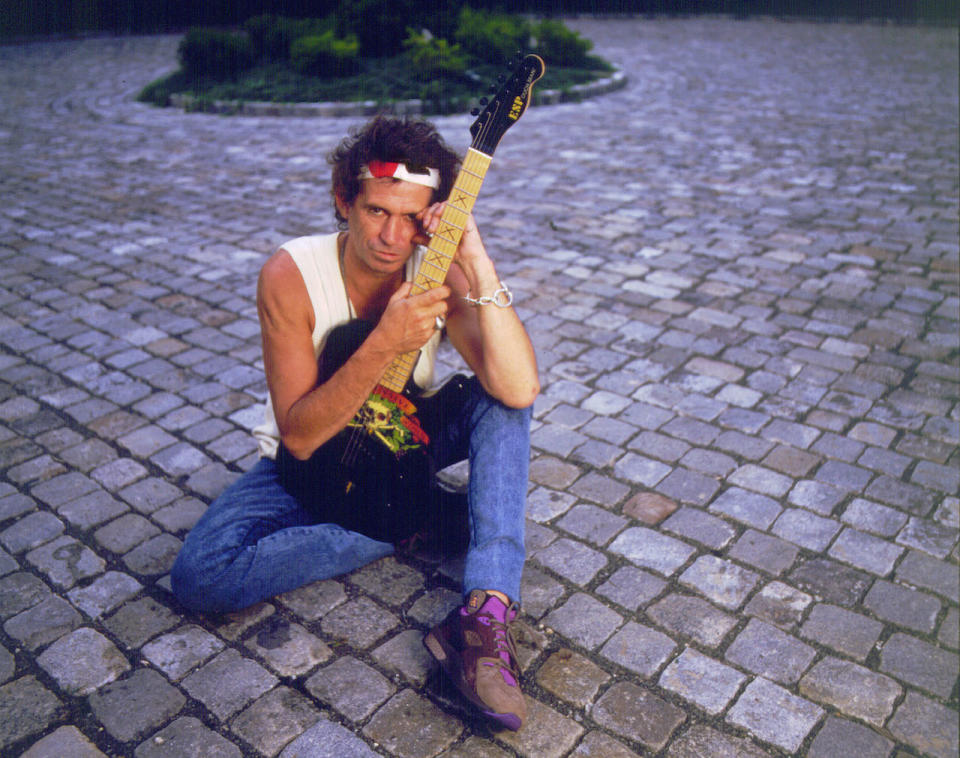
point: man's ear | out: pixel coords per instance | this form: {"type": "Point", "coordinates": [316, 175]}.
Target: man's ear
{"type": "Point", "coordinates": [343, 207]}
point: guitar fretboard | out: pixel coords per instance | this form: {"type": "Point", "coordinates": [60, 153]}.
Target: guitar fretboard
{"type": "Point", "coordinates": [441, 250]}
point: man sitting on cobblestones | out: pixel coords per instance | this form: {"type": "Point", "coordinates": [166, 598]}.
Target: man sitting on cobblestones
{"type": "Point", "coordinates": [267, 533]}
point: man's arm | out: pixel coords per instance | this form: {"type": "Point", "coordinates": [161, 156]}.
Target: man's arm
{"type": "Point", "coordinates": [492, 340]}
{"type": "Point", "coordinates": [307, 414]}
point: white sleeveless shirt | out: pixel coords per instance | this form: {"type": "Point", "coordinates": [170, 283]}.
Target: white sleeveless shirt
{"type": "Point", "coordinates": [317, 259]}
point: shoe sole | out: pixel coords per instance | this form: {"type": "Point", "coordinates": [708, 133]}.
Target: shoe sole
{"type": "Point", "coordinates": [450, 663]}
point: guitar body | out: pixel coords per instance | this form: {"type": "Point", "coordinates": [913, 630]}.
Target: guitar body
{"type": "Point", "coordinates": [374, 477]}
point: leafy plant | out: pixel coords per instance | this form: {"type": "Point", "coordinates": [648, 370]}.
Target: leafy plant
{"type": "Point", "coordinates": [431, 57]}
{"type": "Point", "coordinates": [272, 35]}
{"type": "Point", "coordinates": [214, 53]}
{"type": "Point", "coordinates": [325, 55]}
{"type": "Point", "coordinates": [492, 37]}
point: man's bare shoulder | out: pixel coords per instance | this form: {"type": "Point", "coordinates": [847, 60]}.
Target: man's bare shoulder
{"type": "Point", "coordinates": [280, 288]}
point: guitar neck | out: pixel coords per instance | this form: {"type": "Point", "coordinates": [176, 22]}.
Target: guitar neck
{"type": "Point", "coordinates": [441, 250]}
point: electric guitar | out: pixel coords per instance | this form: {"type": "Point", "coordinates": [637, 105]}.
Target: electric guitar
{"type": "Point", "coordinates": [374, 475]}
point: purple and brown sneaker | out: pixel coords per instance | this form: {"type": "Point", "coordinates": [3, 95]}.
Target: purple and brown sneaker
{"type": "Point", "coordinates": [476, 649]}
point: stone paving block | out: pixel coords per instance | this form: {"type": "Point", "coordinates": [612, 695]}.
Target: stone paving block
{"type": "Point", "coordinates": [840, 738]}
{"type": "Point", "coordinates": [92, 509]}
{"type": "Point", "coordinates": [927, 726]}
{"type": "Point", "coordinates": [584, 620]}
{"type": "Point", "coordinates": [852, 689]}
{"type": "Point", "coordinates": [922, 570]}
{"type": "Point", "coordinates": [288, 649]}
{"type": "Point", "coordinates": [806, 529]}
{"type": "Point", "coordinates": [388, 580]}
{"type": "Point", "coordinates": [650, 549]}
{"type": "Point", "coordinates": [903, 606]}
{"type": "Point", "coordinates": [19, 591]}
{"type": "Point", "coordinates": [182, 650]}
{"type": "Point", "coordinates": [125, 533]}
{"type": "Point", "coordinates": [43, 623]}
{"type": "Point", "coordinates": [539, 592]}
{"type": "Point", "coordinates": [275, 719]}
{"type": "Point", "coordinates": [846, 632]}
{"type": "Point", "coordinates": [763, 551]}
{"type": "Point", "coordinates": [928, 536]}
{"type": "Point", "coordinates": [411, 726]}
{"type": "Point", "coordinates": [769, 652]}
{"type": "Point", "coordinates": [314, 600]}
{"type": "Point", "coordinates": [153, 557]}
{"type": "Point", "coordinates": [132, 707]}
{"type": "Point", "coordinates": [631, 587]}
{"type": "Point", "coordinates": [701, 527]}
{"type": "Point", "coordinates": [819, 497]}
{"type": "Point", "coordinates": [638, 715]}
{"type": "Point", "coordinates": [831, 581]}
{"type": "Point", "coordinates": [692, 617]}
{"type": "Point", "coordinates": [359, 622]}
{"type": "Point", "coordinates": [595, 525]}
{"type": "Point", "coordinates": [706, 683]}
{"type": "Point", "coordinates": [759, 479]}
{"type": "Point", "coordinates": [26, 708]}
{"type": "Point", "coordinates": [750, 508]}
{"type": "Point", "coordinates": [187, 736]}
{"type": "Point", "coordinates": [228, 683]}
{"type": "Point", "coordinates": [874, 518]}
{"type": "Point", "coordinates": [30, 531]}
{"type": "Point", "coordinates": [639, 648]}
{"type": "Point", "coordinates": [544, 504]}
{"type": "Point", "coordinates": [688, 486]}
{"type": "Point", "coordinates": [147, 495]}
{"type": "Point", "coordinates": [138, 621]}
{"type": "Point", "coordinates": [83, 661]}
{"type": "Point", "coordinates": [406, 655]}
{"type": "Point", "coordinates": [326, 739]}
{"type": "Point", "coordinates": [8, 665]}
{"type": "Point", "coordinates": [774, 715]}
{"type": "Point", "coordinates": [907, 497]}
{"type": "Point", "coordinates": [572, 560]}
{"type": "Point", "coordinates": [919, 663]}
{"type": "Point", "coordinates": [700, 740]}
{"type": "Point", "coordinates": [14, 504]}
{"type": "Point", "coordinates": [708, 462]}
{"type": "Point", "coordinates": [350, 687]}
{"type": "Point", "coordinates": [865, 551]}
{"type": "Point", "coordinates": [779, 604]}
{"type": "Point", "coordinates": [65, 741]}
{"type": "Point", "coordinates": [66, 561]}
{"type": "Point", "coordinates": [571, 677]}
{"type": "Point", "coordinates": [649, 507]}
{"type": "Point", "coordinates": [595, 744]}
{"type": "Point", "coordinates": [723, 582]}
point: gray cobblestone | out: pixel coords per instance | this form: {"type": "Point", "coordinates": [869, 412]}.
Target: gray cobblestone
{"type": "Point", "coordinates": [734, 353]}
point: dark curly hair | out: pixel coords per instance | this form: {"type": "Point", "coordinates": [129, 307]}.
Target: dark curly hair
{"type": "Point", "coordinates": [393, 139]}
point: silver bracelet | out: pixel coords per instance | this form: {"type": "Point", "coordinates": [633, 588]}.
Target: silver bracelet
{"type": "Point", "coordinates": [502, 298]}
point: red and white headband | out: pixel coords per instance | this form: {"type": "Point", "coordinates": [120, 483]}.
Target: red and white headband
{"type": "Point", "coordinates": [380, 169]}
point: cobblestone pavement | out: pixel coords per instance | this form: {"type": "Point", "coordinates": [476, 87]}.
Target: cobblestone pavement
{"type": "Point", "coordinates": [741, 274]}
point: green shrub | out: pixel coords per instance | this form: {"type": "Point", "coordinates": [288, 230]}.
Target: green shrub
{"type": "Point", "coordinates": [214, 53]}
{"type": "Point", "coordinates": [491, 37]}
{"type": "Point", "coordinates": [432, 57]}
{"type": "Point", "coordinates": [272, 36]}
{"type": "Point", "coordinates": [325, 55]}
{"type": "Point", "coordinates": [560, 46]}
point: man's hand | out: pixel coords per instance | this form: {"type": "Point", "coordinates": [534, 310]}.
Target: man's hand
{"type": "Point", "coordinates": [409, 321]}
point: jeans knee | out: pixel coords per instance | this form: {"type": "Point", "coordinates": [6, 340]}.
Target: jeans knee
{"type": "Point", "coordinates": [196, 587]}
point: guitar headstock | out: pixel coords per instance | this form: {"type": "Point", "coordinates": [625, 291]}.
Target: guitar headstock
{"type": "Point", "coordinates": [507, 105]}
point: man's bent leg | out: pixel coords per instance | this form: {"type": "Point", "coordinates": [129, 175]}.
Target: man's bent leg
{"type": "Point", "coordinates": [497, 495]}
{"type": "Point", "coordinates": [255, 541]}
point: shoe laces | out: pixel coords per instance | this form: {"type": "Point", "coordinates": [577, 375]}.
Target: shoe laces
{"type": "Point", "coordinates": [506, 647]}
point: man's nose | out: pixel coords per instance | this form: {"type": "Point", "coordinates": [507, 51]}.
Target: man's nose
{"type": "Point", "coordinates": [393, 230]}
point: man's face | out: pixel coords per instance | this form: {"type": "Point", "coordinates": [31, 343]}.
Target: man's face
{"type": "Point", "coordinates": [382, 224]}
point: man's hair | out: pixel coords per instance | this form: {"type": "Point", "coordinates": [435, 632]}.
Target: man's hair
{"type": "Point", "coordinates": [412, 142]}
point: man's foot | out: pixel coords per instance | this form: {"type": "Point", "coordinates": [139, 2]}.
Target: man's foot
{"type": "Point", "coordinates": [476, 649]}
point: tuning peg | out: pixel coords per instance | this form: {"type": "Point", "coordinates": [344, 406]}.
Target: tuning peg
{"type": "Point", "coordinates": [475, 112]}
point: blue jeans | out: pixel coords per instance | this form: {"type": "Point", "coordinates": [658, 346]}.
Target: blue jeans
{"type": "Point", "coordinates": [256, 541]}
